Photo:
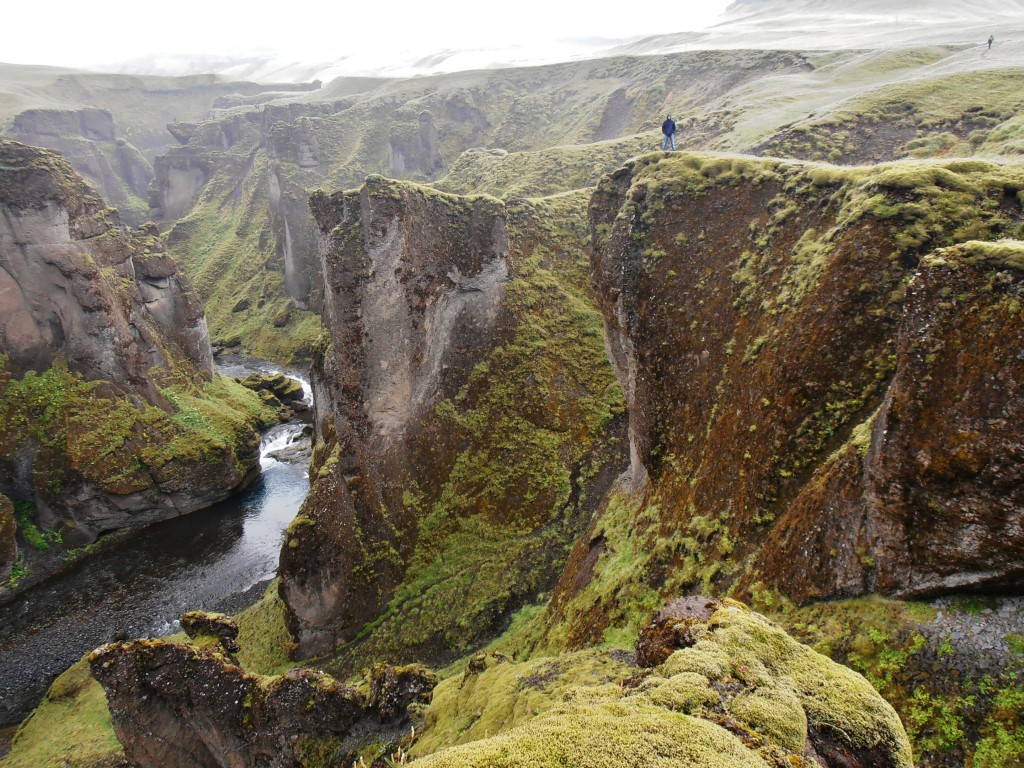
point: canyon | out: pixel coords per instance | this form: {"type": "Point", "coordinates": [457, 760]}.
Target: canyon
{"type": "Point", "coordinates": [618, 456]}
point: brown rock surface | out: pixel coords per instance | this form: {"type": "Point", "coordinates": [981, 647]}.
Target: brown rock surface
{"type": "Point", "coordinates": [802, 386]}
{"type": "Point", "coordinates": [931, 498]}
{"type": "Point", "coordinates": [671, 628]}
{"type": "Point", "coordinates": [176, 706]}
{"type": "Point", "coordinates": [8, 544]}
{"type": "Point", "coordinates": [412, 290]}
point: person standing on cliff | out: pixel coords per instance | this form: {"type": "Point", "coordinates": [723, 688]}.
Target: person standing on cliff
{"type": "Point", "coordinates": [991, 39]}
{"type": "Point", "coordinates": [669, 129]}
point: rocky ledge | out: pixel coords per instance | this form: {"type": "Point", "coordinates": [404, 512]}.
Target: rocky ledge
{"type": "Point", "coordinates": [179, 706]}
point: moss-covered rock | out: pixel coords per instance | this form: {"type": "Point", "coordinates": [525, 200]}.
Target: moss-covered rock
{"type": "Point", "coordinates": [731, 290]}
{"type": "Point", "coordinates": [111, 415]}
{"type": "Point", "coordinates": [181, 706]}
{"type": "Point", "coordinates": [8, 542]}
{"type": "Point", "coordinates": [466, 420]}
{"type": "Point", "coordinates": [215, 625]}
{"type": "Point", "coordinates": [744, 694]}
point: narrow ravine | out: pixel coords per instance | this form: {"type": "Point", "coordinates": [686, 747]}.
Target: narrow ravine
{"type": "Point", "coordinates": [215, 559]}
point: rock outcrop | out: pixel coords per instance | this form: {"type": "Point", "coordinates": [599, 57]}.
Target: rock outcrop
{"type": "Point", "coordinates": [927, 499]}
{"type": "Point", "coordinates": [413, 285]}
{"type": "Point", "coordinates": [463, 408]}
{"type": "Point", "coordinates": [740, 693]}
{"type": "Point", "coordinates": [817, 405]}
{"type": "Point", "coordinates": [89, 140]}
{"type": "Point", "coordinates": [178, 706]}
{"type": "Point", "coordinates": [57, 240]}
{"type": "Point", "coordinates": [112, 415]}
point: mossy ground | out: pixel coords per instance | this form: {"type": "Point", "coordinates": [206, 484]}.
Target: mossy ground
{"type": "Point", "coordinates": [263, 636]}
{"type": "Point", "coordinates": [541, 172]}
{"type": "Point", "coordinates": [595, 708]}
{"type": "Point", "coordinates": [71, 727]}
{"type": "Point", "coordinates": [948, 115]}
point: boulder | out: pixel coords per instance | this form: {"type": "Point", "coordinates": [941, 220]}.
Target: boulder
{"type": "Point", "coordinates": [285, 389]}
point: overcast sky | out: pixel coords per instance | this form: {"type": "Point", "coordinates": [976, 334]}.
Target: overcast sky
{"type": "Point", "coordinates": [88, 34]}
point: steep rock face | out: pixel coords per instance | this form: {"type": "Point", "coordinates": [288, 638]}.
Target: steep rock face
{"type": "Point", "coordinates": [412, 290]}
{"type": "Point", "coordinates": [931, 490]}
{"type": "Point", "coordinates": [89, 140]}
{"type": "Point", "coordinates": [465, 416]}
{"type": "Point", "coordinates": [296, 157]}
{"type": "Point", "coordinates": [418, 152]}
{"type": "Point", "coordinates": [177, 177]}
{"type": "Point", "coordinates": [758, 315]}
{"type": "Point", "coordinates": [177, 706]}
{"type": "Point", "coordinates": [57, 239]}
{"type": "Point", "coordinates": [104, 351]}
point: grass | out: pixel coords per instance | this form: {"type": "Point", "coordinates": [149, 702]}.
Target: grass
{"type": "Point", "coordinates": [70, 728]}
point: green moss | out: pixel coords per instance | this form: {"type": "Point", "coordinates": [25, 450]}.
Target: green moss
{"type": "Point", "coordinates": [503, 695]}
{"type": "Point", "coordinates": [604, 736]}
{"type": "Point", "coordinates": [999, 254]}
{"type": "Point", "coordinates": [115, 442]}
{"type": "Point", "coordinates": [539, 173]}
{"type": "Point", "coordinates": [263, 636]}
{"type": "Point", "coordinates": [593, 708]}
{"type": "Point", "coordinates": [1003, 733]}
{"type": "Point", "coordinates": [71, 727]}
{"type": "Point", "coordinates": [225, 246]}
{"type": "Point", "coordinates": [775, 713]}
{"type": "Point", "coordinates": [745, 647]}
{"type": "Point", "coordinates": [533, 417]}
{"type": "Point", "coordinates": [686, 692]}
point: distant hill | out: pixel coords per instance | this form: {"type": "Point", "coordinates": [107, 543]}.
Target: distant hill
{"type": "Point", "coordinates": [832, 24]}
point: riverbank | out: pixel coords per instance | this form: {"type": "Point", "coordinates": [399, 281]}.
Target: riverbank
{"type": "Point", "coordinates": [217, 559]}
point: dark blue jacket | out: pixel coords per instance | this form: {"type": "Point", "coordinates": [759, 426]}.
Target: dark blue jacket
{"type": "Point", "coordinates": [668, 127]}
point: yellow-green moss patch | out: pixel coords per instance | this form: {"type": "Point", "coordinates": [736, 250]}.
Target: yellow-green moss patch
{"type": "Point", "coordinates": [71, 727]}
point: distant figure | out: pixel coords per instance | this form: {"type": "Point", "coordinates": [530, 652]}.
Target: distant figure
{"type": "Point", "coordinates": [991, 39]}
{"type": "Point", "coordinates": [669, 129]}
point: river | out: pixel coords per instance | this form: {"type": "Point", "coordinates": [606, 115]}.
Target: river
{"type": "Point", "coordinates": [217, 558]}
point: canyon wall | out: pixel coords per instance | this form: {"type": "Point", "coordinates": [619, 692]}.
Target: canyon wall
{"type": "Point", "coordinates": [819, 380]}
{"type": "Point", "coordinates": [113, 415]}
{"type": "Point", "coordinates": [465, 418]}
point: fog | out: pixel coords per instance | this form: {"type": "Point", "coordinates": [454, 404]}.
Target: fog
{"type": "Point", "coordinates": [365, 35]}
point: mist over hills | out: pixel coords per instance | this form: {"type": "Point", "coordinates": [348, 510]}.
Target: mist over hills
{"type": "Point", "coordinates": [756, 24]}
{"type": "Point", "coordinates": [832, 24]}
